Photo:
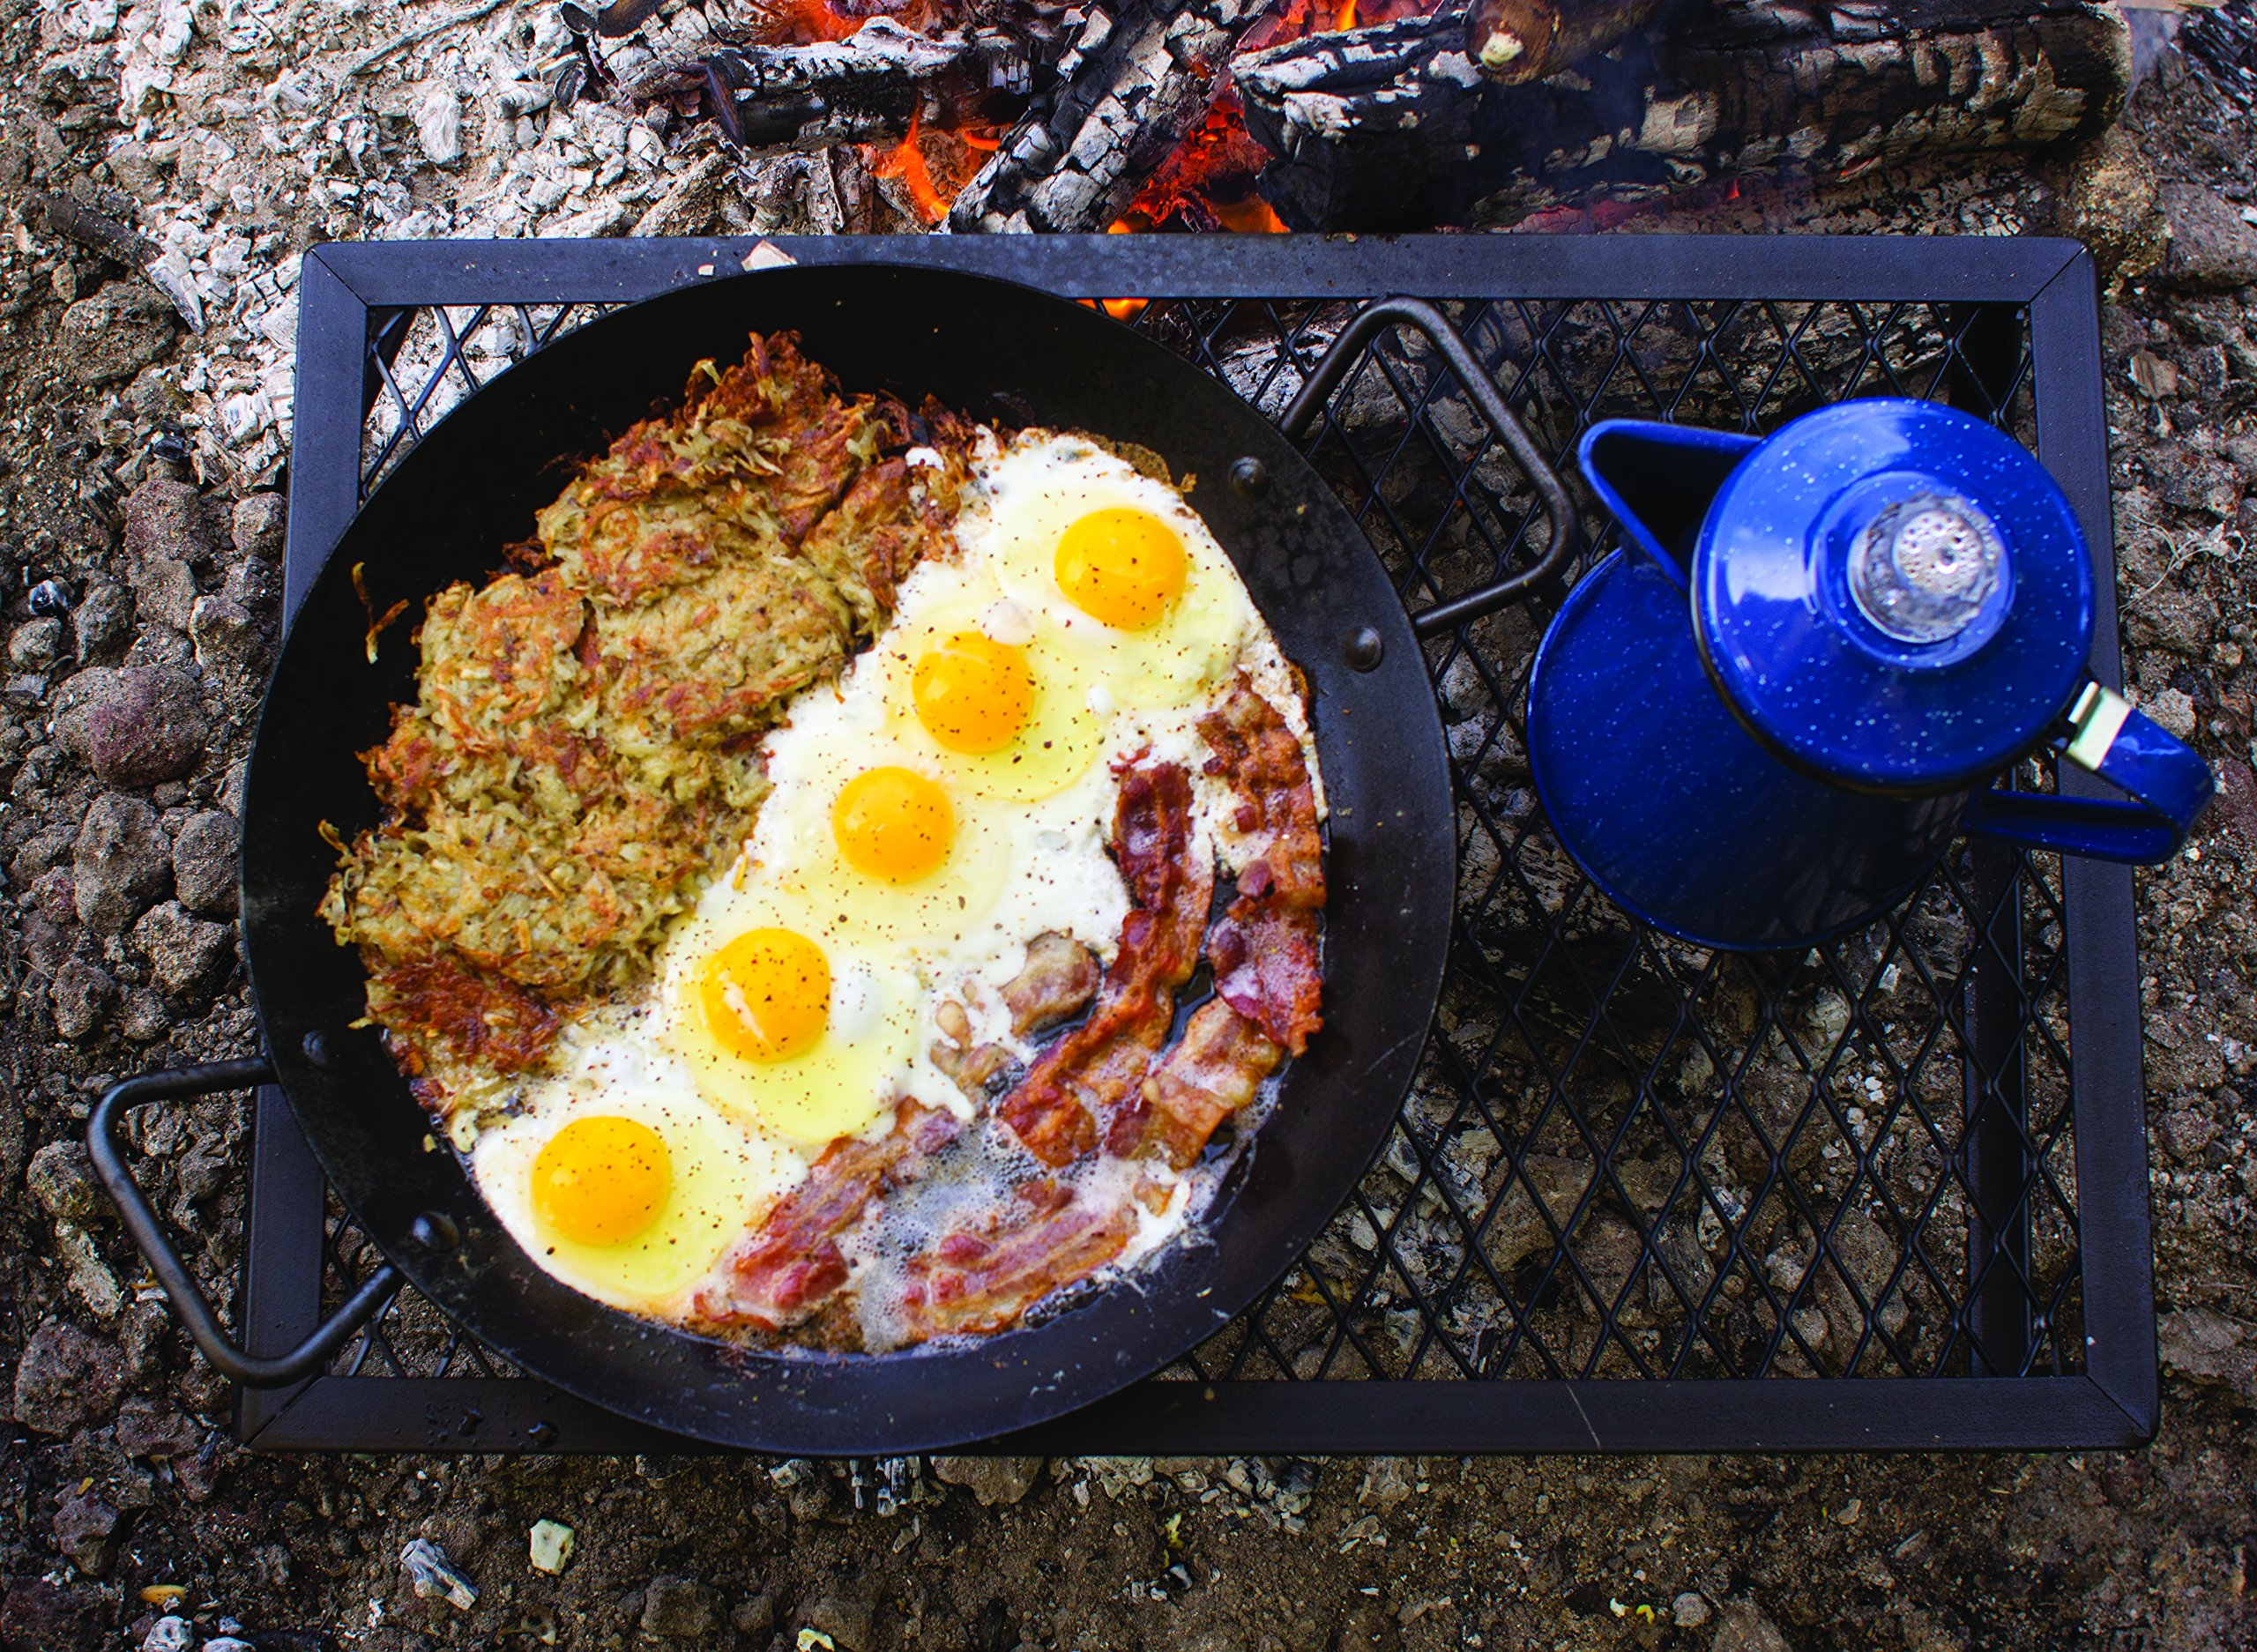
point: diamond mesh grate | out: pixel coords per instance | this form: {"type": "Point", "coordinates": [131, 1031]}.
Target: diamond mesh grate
{"type": "Point", "coordinates": [1622, 1156]}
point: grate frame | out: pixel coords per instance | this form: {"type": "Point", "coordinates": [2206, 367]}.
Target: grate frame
{"type": "Point", "coordinates": [2017, 1308]}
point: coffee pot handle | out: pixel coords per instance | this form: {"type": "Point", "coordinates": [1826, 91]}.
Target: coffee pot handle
{"type": "Point", "coordinates": [2125, 746]}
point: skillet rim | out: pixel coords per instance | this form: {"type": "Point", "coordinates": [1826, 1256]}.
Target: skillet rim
{"type": "Point", "coordinates": [1155, 1337]}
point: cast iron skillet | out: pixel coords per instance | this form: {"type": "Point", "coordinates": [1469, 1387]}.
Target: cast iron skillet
{"type": "Point", "coordinates": [993, 350]}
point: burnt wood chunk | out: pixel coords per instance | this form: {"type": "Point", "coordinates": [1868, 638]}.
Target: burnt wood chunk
{"type": "Point", "coordinates": [1395, 127]}
{"type": "Point", "coordinates": [1518, 41]}
{"type": "Point", "coordinates": [1136, 81]}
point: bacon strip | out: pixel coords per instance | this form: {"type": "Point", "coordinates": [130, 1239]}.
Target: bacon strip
{"type": "Point", "coordinates": [1263, 949]}
{"type": "Point", "coordinates": [1212, 1073]}
{"type": "Point", "coordinates": [982, 1278]}
{"type": "Point", "coordinates": [791, 1264]}
{"type": "Point", "coordinates": [1085, 1078]}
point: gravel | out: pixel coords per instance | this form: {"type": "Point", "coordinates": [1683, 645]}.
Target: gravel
{"type": "Point", "coordinates": [145, 509]}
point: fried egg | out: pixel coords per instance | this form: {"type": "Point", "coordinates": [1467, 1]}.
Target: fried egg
{"type": "Point", "coordinates": [621, 1181]}
{"type": "Point", "coordinates": [796, 1034]}
{"type": "Point", "coordinates": [985, 692]}
{"type": "Point", "coordinates": [1124, 573]}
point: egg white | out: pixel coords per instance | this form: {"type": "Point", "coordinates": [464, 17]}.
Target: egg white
{"type": "Point", "coordinates": [1039, 486]}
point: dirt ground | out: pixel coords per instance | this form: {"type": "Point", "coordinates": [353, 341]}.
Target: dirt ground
{"type": "Point", "coordinates": [114, 1479]}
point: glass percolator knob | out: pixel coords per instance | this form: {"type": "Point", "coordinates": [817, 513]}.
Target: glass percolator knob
{"type": "Point", "coordinates": [1924, 568]}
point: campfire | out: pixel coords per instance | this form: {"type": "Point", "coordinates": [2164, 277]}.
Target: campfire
{"type": "Point", "coordinates": [1345, 114]}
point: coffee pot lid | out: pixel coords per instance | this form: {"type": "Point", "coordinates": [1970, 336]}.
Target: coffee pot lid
{"type": "Point", "coordinates": [1895, 595]}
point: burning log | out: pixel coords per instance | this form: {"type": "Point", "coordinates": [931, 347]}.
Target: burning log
{"type": "Point", "coordinates": [1392, 127]}
{"type": "Point", "coordinates": [1135, 86]}
{"type": "Point", "coordinates": [1514, 41]}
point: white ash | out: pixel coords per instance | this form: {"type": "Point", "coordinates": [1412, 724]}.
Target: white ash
{"type": "Point", "coordinates": [254, 129]}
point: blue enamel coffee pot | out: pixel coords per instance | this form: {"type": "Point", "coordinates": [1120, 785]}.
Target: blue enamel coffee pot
{"type": "Point", "coordinates": [1760, 722]}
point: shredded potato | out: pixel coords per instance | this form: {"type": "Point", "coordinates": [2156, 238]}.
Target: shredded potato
{"type": "Point", "coordinates": [580, 756]}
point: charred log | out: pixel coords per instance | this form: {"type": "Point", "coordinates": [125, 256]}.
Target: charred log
{"type": "Point", "coordinates": [865, 89]}
{"type": "Point", "coordinates": [1135, 84]}
{"type": "Point", "coordinates": [1392, 127]}
{"type": "Point", "coordinates": [1514, 41]}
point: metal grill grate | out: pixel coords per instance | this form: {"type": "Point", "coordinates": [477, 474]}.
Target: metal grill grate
{"type": "Point", "coordinates": [1623, 1157]}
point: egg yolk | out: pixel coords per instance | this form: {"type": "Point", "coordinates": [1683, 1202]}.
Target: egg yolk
{"type": "Point", "coordinates": [766, 995]}
{"type": "Point", "coordinates": [894, 824]}
{"type": "Point", "coordinates": [1123, 566]}
{"type": "Point", "coordinates": [972, 693]}
{"type": "Point", "coordinates": [601, 1181]}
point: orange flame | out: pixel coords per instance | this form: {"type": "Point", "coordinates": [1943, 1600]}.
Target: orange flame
{"type": "Point", "coordinates": [906, 162]}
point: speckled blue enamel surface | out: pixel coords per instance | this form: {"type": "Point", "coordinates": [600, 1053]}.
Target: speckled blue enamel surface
{"type": "Point", "coordinates": [1673, 809]}
{"type": "Point", "coordinates": [1818, 683]}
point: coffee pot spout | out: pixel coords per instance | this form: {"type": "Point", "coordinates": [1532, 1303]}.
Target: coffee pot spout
{"type": "Point", "coordinates": [1658, 481]}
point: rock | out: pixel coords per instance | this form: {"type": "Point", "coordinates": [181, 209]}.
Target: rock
{"type": "Point", "coordinates": [204, 863]}
{"type": "Point", "coordinates": [134, 724]}
{"type": "Point", "coordinates": [82, 1530]}
{"type": "Point", "coordinates": [2173, 710]}
{"type": "Point", "coordinates": [110, 337]}
{"type": "Point", "coordinates": [60, 1176]}
{"type": "Point", "coordinates": [260, 525]}
{"type": "Point", "coordinates": [755, 1615]}
{"type": "Point", "coordinates": [849, 1620]}
{"type": "Point", "coordinates": [680, 1609]}
{"type": "Point", "coordinates": [34, 1612]}
{"type": "Point", "coordinates": [226, 636]}
{"type": "Point", "coordinates": [993, 1480]}
{"type": "Point", "coordinates": [142, 1016]}
{"type": "Point", "coordinates": [550, 1547]}
{"type": "Point", "coordinates": [103, 624]}
{"type": "Point", "coordinates": [2207, 1348]}
{"type": "Point", "coordinates": [170, 521]}
{"type": "Point", "coordinates": [1387, 1481]}
{"type": "Point", "coordinates": [164, 591]}
{"type": "Point", "coordinates": [37, 644]}
{"type": "Point", "coordinates": [148, 1427]}
{"type": "Point", "coordinates": [186, 955]}
{"type": "Point", "coordinates": [50, 847]}
{"type": "Point", "coordinates": [65, 1378]}
{"type": "Point", "coordinates": [1745, 1627]}
{"type": "Point", "coordinates": [120, 865]}
{"type": "Point", "coordinates": [87, 1275]}
{"type": "Point", "coordinates": [82, 994]}
{"type": "Point", "coordinates": [169, 1634]}
{"type": "Point", "coordinates": [2211, 249]}
{"type": "Point", "coordinates": [1689, 1611]}
{"type": "Point", "coordinates": [434, 1577]}
{"type": "Point", "coordinates": [56, 896]}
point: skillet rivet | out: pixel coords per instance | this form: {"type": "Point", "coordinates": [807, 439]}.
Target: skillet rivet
{"type": "Point", "coordinates": [435, 1232]}
{"type": "Point", "coordinates": [1364, 649]}
{"type": "Point", "coordinates": [319, 1050]}
{"type": "Point", "coordinates": [1251, 477]}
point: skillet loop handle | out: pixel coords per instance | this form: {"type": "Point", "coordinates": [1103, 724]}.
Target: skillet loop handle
{"type": "Point", "coordinates": [1560, 511]}
{"type": "Point", "coordinates": [106, 1142]}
